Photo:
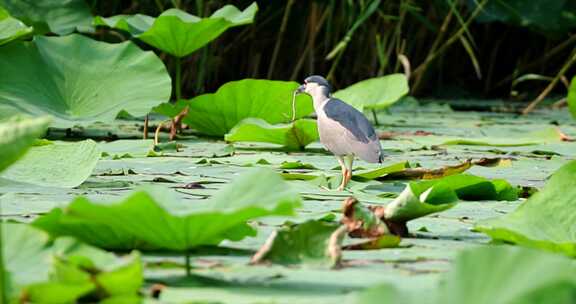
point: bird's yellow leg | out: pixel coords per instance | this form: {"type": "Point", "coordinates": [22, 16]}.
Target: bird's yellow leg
{"type": "Point", "coordinates": [344, 172]}
{"type": "Point", "coordinates": [348, 161]}
{"type": "Point", "coordinates": [346, 164]}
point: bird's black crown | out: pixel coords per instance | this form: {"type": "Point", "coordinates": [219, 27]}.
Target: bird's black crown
{"type": "Point", "coordinates": [319, 80]}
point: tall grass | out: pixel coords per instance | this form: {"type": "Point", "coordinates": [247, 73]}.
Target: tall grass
{"type": "Point", "coordinates": [450, 52]}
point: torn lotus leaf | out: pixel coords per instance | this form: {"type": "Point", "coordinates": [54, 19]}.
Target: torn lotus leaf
{"type": "Point", "coordinates": [314, 242]}
{"type": "Point", "coordinates": [405, 170]}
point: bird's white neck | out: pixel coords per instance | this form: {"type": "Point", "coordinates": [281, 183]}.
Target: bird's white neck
{"type": "Point", "coordinates": [320, 97]}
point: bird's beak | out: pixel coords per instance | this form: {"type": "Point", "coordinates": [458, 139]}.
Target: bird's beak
{"type": "Point", "coordinates": [301, 89]}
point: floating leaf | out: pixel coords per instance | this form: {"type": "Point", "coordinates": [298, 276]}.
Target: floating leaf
{"type": "Point", "coordinates": [17, 135]}
{"type": "Point", "coordinates": [375, 93]}
{"type": "Point", "coordinates": [141, 221]}
{"type": "Point", "coordinates": [546, 220]}
{"type": "Point", "coordinates": [547, 135]}
{"type": "Point", "coordinates": [381, 172]}
{"type": "Point", "coordinates": [177, 32]}
{"type": "Point", "coordinates": [128, 148]}
{"type": "Point", "coordinates": [78, 80]}
{"type": "Point", "coordinates": [383, 293]}
{"type": "Point", "coordinates": [296, 165]}
{"type": "Point", "coordinates": [217, 113]}
{"type": "Point", "coordinates": [60, 164]}
{"type": "Point", "coordinates": [60, 17]}
{"type": "Point", "coordinates": [11, 28]}
{"type": "Point", "coordinates": [312, 242]}
{"type": "Point", "coordinates": [501, 274]}
{"type": "Point", "coordinates": [293, 136]}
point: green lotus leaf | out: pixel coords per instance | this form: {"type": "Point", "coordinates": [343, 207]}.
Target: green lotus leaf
{"type": "Point", "coordinates": [375, 93]}
{"type": "Point", "coordinates": [381, 172]}
{"type": "Point", "coordinates": [475, 188]}
{"type": "Point", "coordinates": [59, 164]}
{"type": "Point", "coordinates": [11, 28]}
{"type": "Point", "coordinates": [17, 135]}
{"type": "Point", "coordinates": [65, 270]}
{"type": "Point", "coordinates": [572, 97]}
{"type": "Point", "coordinates": [25, 254]}
{"type": "Point", "coordinates": [313, 242]}
{"type": "Point", "coordinates": [217, 113]}
{"type": "Point", "coordinates": [293, 136]}
{"type": "Point", "coordinates": [492, 274]}
{"type": "Point", "coordinates": [78, 80]}
{"type": "Point", "coordinates": [177, 32]}
{"type": "Point", "coordinates": [134, 24]}
{"type": "Point", "coordinates": [546, 220]}
{"type": "Point", "coordinates": [420, 199]}
{"type": "Point", "coordinates": [149, 219]}
{"type": "Point", "coordinates": [546, 135]}
{"type": "Point", "coordinates": [60, 17]}
{"type": "Point", "coordinates": [506, 274]}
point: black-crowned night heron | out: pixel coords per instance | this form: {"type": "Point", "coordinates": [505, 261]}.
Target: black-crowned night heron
{"type": "Point", "coordinates": [343, 130]}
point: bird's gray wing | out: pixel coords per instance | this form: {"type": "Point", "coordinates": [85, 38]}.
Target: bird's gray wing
{"type": "Point", "coordinates": [351, 119]}
{"type": "Point", "coordinates": [367, 145]}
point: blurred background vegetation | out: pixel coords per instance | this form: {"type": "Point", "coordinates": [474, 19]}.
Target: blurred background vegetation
{"type": "Point", "coordinates": [510, 49]}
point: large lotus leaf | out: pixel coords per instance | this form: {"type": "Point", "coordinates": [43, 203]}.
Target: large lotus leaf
{"type": "Point", "coordinates": [177, 32]}
{"type": "Point", "coordinates": [58, 16]}
{"type": "Point", "coordinates": [375, 93]}
{"type": "Point", "coordinates": [11, 28]}
{"type": "Point", "coordinates": [78, 80]}
{"type": "Point", "coordinates": [572, 97]}
{"type": "Point", "coordinates": [16, 136]}
{"type": "Point", "coordinates": [313, 242]}
{"type": "Point", "coordinates": [546, 220]}
{"type": "Point", "coordinates": [509, 275]}
{"type": "Point", "coordinates": [217, 113]}
{"type": "Point", "coordinates": [65, 270]}
{"type": "Point", "coordinates": [293, 136]}
{"type": "Point", "coordinates": [58, 164]}
{"type": "Point", "coordinates": [141, 221]}
{"type": "Point", "coordinates": [493, 274]}
{"type": "Point", "coordinates": [420, 199]}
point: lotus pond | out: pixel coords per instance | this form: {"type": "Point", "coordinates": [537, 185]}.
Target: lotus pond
{"type": "Point", "coordinates": [166, 210]}
{"type": "Point", "coordinates": [115, 188]}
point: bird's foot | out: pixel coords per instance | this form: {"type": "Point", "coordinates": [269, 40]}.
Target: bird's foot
{"type": "Point", "coordinates": [340, 188]}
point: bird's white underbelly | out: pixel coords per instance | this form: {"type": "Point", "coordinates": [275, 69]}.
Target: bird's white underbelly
{"type": "Point", "coordinates": [334, 136]}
